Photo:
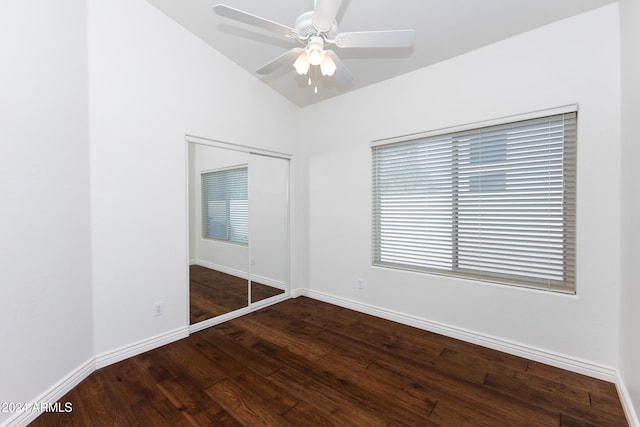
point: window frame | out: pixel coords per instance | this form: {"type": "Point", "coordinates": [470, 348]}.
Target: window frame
{"type": "Point", "coordinates": [569, 203]}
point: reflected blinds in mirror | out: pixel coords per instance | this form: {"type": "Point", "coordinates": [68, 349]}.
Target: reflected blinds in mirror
{"type": "Point", "coordinates": [225, 205]}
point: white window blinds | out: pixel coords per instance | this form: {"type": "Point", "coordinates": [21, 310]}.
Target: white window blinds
{"type": "Point", "coordinates": [225, 205]}
{"type": "Point", "coordinates": [495, 203]}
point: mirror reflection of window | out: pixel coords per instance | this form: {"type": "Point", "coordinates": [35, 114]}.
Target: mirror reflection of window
{"type": "Point", "coordinates": [226, 205]}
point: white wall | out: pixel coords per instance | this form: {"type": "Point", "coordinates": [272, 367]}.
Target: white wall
{"type": "Point", "coordinates": [151, 82]}
{"type": "Point", "coordinates": [268, 220]}
{"type": "Point", "coordinates": [572, 61]}
{"type": "Point", "coordinates": [630, 293]}
{"type": "Point", "coordinates": [45, 259]}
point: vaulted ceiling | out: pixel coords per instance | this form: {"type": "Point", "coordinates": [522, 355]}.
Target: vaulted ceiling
{"type": "Point", "coordinates": [443, 29]}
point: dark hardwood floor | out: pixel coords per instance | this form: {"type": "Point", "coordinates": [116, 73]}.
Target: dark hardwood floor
{"type": "Point", "coordinates": [213, 293]}
{"type": "Point", "coordinates": [307, 363]}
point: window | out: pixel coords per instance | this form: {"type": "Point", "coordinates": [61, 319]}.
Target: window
{"type": "Point", "coordinates": [494, 203]}
{"type": "Point", "coordinates": [225, 205]}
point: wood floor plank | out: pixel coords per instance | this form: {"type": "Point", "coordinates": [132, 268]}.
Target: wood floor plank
{"type": "Point", "coordinates": [602, 395]}
{"type": "Point", "coordinates": [196, 406]}
{"type": "Point", "coordinates": [195, 364]}
{"type": "Point", "coordinates": [158, 413]}
{"type": "Point", "coordinates": [326, 399]}
{"type": "Point", "coordinates": [243, 406]}
{"type": "Point", "coordinates": [445, 387]}
{"type": "Point", "coordinates": [304, 362]}
{"type": "Point", "coordinates": [239, 357]}
{"type": "Point", "coordinates": [354, 385]}
{"type": "Point", "coordinates": [305, 415]}
{"type": "Point", "coordinates": [285, 340]}
{"type": "Point", "coordinates": [549, 393]}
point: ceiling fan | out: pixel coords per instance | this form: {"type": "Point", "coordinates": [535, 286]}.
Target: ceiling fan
{"type": "Point", "coordinates": [315, 31]}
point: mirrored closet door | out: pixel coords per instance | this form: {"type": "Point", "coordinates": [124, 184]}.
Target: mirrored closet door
{"type": "Point", "coordinates": [268, 226]}
{"type": "Point", "coordinates": [238, 231]}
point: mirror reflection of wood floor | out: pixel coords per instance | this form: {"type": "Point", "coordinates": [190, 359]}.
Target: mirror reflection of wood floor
{"type": "Point", "coordinates": [213, 293]}
{"type": "Point", "coordinates": [303, 362]}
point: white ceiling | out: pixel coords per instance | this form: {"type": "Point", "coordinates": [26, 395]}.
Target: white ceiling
{"type": "Point", "coordinates": [443, 29]}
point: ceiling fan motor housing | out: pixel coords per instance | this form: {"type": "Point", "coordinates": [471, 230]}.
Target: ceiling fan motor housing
{"type": "Point", "coordinates": [306, 29]}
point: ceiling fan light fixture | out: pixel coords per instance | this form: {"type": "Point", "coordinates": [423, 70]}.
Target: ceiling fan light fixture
{"type": "Point", "coordinates": [327, 66]}
{"type": "Point", "coordinates": [302, 64]}
{"type": "Point", "coordinates": [315, 52]}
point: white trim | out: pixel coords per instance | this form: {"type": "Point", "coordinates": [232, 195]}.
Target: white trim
{"type": "Point", "coordinates": [562, 361]}
{"type": "Point", "coordinates": [476, 125]}
{"type": "Point", "coordinates": [54, 393]}
{"type": "Point", "coordinates": [291, 246]}
{"type": "Point", "coordinates": [235, 147]}
{"type": "Point", "coordinates": [274, 283]}
{"type": "Point", "coordinates": [225, 168]}
{"type": "Point", "coordinates": [269, 301]}
{"type": "Point", "coordinates": [299, 292]}
{"type": "Point", "coordinates": [139, 347]}
{"type": "Point", "coordinates": [238, 313]}
{"type": "Point", "coordinates": [190, 261]}
{"type": "Point", "coordinates": [627, 403]}
{"type": "Point", "coordinates": [218, 319]}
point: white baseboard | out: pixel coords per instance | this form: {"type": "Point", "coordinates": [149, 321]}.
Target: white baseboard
{"type": "Point", "coordinates": [269, 282]}
{"type": "Point", "coordinates": [53, 394]}
{"type": "Point", "coordinates": [238, 273]}
{"type": "Point", "coordinates": [295, 293]}
{"type": "Point", "coordinates": [197, 327]}
{"type": "Point", "coordinates": [221, 268]}
{"type": "Point", "coordinates": [569, 363]}
{"type": "Point", "coordinates": [627, 403]}
{"type": "Point", "coordinates": [139, 347]}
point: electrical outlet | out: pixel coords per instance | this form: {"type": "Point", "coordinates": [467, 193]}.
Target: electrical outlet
{"type": "Point", "coordinates": [360, 283]}
{"type": "Point", "coordinates": [158, 309]}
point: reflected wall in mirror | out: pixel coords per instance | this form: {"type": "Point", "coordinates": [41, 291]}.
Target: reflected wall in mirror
{"type": "Point", "coordinates": [238, 230]}
{"type": "Point", "coordinates": [268, 226]}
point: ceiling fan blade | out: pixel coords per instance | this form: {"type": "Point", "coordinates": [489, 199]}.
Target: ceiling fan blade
{"type": "Point", "coordinates": [286, 58]}
{"type": "Point", "coordinates": [256, 21]}
{"type": "Point", "coordinates": [342, 76]}
{"type": "Point", "coordinates": [325, 13]}
{"type": "Point", "coordinates": [393, 38]}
